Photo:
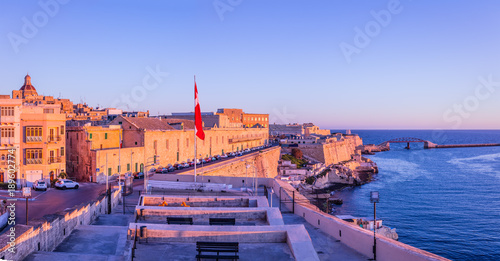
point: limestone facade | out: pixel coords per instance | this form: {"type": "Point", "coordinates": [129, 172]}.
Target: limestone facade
{"type": "Point", "coordinates": [36, 132]}
{"type": "Point", "coordinates": [146, 141]}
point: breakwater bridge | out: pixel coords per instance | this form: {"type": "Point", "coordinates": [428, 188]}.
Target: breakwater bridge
{"type": "Point", "coordinates": [431, 145]}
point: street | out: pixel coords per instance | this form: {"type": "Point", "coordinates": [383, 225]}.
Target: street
{"type": "Point", "coordinates": [55, 200]}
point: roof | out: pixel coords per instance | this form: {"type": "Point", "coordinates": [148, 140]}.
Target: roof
{"type": "Point", "coordinates": [27, 84]}
{"type": "Point", "coordinates": [148, 123]}
{"type": "Point", "coordinates": [188, 124]}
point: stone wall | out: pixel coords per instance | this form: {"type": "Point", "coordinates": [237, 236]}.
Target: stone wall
{"type": "Point", "coordinates": [330, 153]}
{"type": "Point", "coordinates": [264, 164]}
{"type": "Point", "coordinates": [47, 233]}
{"type": "Point", "coordinates": [359, 239]}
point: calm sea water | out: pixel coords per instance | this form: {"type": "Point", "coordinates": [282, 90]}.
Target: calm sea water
{"type": "Point", "coordinates": [445, 201]}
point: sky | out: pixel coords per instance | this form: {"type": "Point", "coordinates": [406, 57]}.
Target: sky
{"type": "Point", "coordinates": [340, 64]}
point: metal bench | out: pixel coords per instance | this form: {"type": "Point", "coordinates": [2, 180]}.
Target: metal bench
{"type": "Point", "coordinates": [222, 221]}
{"type": "Point", "coordinates": [213, 250]}
{"type": "Point", "coordinates": [179, 221]}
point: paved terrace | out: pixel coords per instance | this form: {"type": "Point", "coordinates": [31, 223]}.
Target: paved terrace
{"type": "Point", "coordinates": [106, 238]}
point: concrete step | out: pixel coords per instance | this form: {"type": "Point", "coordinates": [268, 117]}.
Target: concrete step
{"type": "Point", "coordinates": [114, 220]}
{"type": "Point", "coordinates": [96, 240]}
{"type": "Point", "coordinates": [61, 256]}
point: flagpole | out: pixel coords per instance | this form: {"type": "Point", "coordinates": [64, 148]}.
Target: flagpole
{"type": "Point", "coordinates": [194, 115]}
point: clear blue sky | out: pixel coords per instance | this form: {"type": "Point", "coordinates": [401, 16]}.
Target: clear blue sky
{"type": "Point", "coordinates": [278, 57]}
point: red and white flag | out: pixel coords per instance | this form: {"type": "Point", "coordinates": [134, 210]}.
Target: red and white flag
{"type": "Point", "coordinates": [198, 124]}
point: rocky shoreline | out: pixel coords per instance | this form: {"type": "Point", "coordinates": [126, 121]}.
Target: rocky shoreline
{"type": "Point", "coordinates": [350, 173]}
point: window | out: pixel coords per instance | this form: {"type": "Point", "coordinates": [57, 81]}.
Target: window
{"type": "Point", "coordinates": [177, 156]}
{"type": "Point", "coordinates": [62, 129]}
{"type": "Point", "coordinates": [90, 136]}
{"type": "Point", "coordinates": [128, 167]}
{"type": "Point", "coordinates": [7, 133]}
{"type": "Point", "coordinates": [7, 111]}
{"type": "Point", "coordinates": [33, 156]}
{"type": "Point", "coordinates": [34, 153]}
{"type": "Point", "coordinates": [136, 167]}
{"type": "Point", "coordinates": [49, 111]}
{"type": "Point", "coordinates": [33, 131]}
{"type": "Point", "coordinates": [118, 168]}
{"type": "Point", "coordinates": [105, 136]}
{"type": "Point", "coordinates": [109, 171]}
{"type": "Point", "coordinates": [62, 151]}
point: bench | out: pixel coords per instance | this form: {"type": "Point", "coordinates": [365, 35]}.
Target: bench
{"type": "Point", "coordinates": [179, 221]}
{"type": "Point", "coordinates": [222, 221]}
{"type": "Point", "coordinates": [213, 250]}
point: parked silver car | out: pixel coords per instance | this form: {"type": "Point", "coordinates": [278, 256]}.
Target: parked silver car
{"type": "Point", "coordinates": [40, 185]}
{"type": "Point", "coordinates": [66, 183]}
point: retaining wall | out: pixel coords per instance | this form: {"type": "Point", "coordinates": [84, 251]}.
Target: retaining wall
{"type": "Point", "coordinates": [47, 233]}
{"type": "Point", "coordinates": [357, 238]}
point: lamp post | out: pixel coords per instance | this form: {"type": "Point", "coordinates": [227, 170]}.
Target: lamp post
{"type": "Point", "coordinates": [131, 162]}
{"type": "Point", "coordinates": [246, 175]}
{"type": "Point", "coordinates": [374, 198]}
{"type": "Point", "coordinates": [201, 158]}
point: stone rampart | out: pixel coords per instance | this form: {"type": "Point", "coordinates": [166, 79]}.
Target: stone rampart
{"type": "Point", "coordinates": [359, 239]}
{"type": "Point", "coordinates": [47, 233]}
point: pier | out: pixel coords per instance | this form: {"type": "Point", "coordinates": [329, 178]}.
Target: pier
{"type": "Point", "coordinates": [435, 146]}
{"type": "Point", "coordinates": [431, 145]}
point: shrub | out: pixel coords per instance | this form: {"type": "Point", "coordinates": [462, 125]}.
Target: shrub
{"type": "Point", "coordinates": [63, 175]}
{"type": "Point", "coordinates": [297, 153]}
{"type": "Point", "coordinates": [310, 180]}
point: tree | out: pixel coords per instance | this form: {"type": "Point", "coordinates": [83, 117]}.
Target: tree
{"type": "Point", "coordinates": [297, 153]}
{"type": "Point", "coordinates": [63, 175]}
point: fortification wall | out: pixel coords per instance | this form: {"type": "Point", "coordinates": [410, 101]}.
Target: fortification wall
{"type": "Point", "coordinates": [330, 153]}
{"type": "Point", "coordinates": [264, 162]}
{"type": "Point", "coordinates": [47, 233]}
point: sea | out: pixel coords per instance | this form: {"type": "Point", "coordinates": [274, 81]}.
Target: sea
{"type": "Point", "coordinates": [445, 201]}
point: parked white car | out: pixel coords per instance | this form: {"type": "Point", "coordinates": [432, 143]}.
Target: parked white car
{"type": "Point", "coordinates": [40, 185]}
{"type": "Point", "coordinates": [66, 183]}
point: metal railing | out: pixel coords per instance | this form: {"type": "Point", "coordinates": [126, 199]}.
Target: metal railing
{"type": "Point", "coordinates": [55, 159]}
{"type": "Point", "coordinates": [54, 138]}
{"type": "Point", "coordinates": [34, 139]}
{"type": "Point", "coordinates": [34, 161]}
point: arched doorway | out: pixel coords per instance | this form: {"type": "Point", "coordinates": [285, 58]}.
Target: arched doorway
{"type": "Point", "coordinates": [52, 176]}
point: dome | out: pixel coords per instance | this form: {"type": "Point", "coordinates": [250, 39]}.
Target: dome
{"type": "Point", "coordinates": [27, 84]}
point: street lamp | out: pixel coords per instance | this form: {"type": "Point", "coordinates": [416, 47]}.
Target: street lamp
{"type": "Point", "coordinates": [374, 198]}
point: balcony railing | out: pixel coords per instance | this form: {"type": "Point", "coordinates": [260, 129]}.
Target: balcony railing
{"type": "Point", "coordinates": [34, 161]}
{"type": "Point", "coordinates": [55, 160]}
{"type": "Point", "coordinates": [54, 138]}
{"type": "Point", "coordinates": [34, 139]}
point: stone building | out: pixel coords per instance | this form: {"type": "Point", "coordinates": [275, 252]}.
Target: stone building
{"type": "Point", "coordinates": [210, 119]}
{"type": "Point", "coordinates": [146, 141]}
{"type": "Point", "coordinates": [36, 131]}
{"type": "Point", "coordinates": [296, 129]}
{"type": "Point", "coordinates": [286, 129]}
{"type": "Point", "coordinates": [43, 146]}
{"type": "Point", "coordinates": [246, 119]}
{"type": "Point", "coordinates": [28, 94]}
{"type": "Point", "coordinates": [11, 134]}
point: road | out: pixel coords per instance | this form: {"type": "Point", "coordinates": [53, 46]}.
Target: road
{"type": "Point", "coordinates": [55, 200]}
{"type": "Point", "coordinates": [215, 164]}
